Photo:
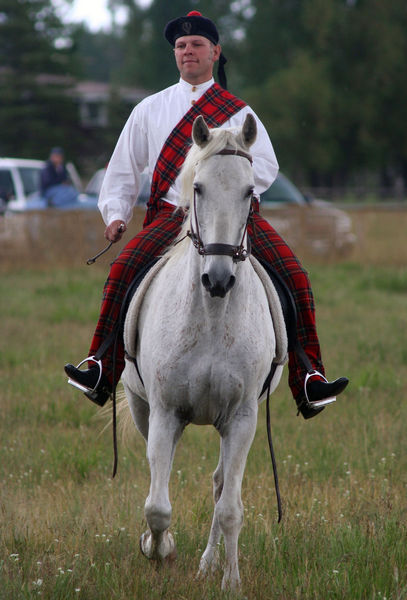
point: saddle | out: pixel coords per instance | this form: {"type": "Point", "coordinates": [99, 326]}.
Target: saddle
{"type": "Point", "coordinates": [281, 302]}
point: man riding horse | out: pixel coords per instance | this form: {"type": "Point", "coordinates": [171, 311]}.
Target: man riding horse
{"type": "Point", "coordinates": [157, 136]}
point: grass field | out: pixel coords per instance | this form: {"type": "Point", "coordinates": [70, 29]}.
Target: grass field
{"type": "Point", "coordinates": [68, 531]}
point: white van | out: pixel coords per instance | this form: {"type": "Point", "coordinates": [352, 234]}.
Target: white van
{"type": "Point", "coordinates": [20, 184]}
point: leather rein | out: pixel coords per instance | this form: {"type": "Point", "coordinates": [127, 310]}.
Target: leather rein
{"type": "Point", "coordinates": [238, 253]}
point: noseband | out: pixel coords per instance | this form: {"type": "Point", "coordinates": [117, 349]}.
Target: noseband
{"type": "Point", "coordinates": [238, 253]}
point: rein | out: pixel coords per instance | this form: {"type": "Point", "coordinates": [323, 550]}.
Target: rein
{"type": "Point", "coordinates": [238, 253]}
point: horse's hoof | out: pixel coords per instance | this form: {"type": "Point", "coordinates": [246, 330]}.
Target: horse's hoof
{"type": "Point", "coordinates": [163, 552]}
{"type": "Point", "coordinates": [209, 564]}
{"type": "Point", "coordinates": [171, 557]}
{"type": "Point", "coordinates": [146, 545]}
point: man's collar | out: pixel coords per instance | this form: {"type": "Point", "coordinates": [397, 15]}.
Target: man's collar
{"type": "Point", "coordinates": [199, 87]}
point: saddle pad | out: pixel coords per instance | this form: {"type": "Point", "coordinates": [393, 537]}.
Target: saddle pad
{"type": "Point", "coordinates": [276, 312]}
{"type": "Point", "coordinates": [130, 324]}
{"type": "Point", "coordinates": [132, 315]}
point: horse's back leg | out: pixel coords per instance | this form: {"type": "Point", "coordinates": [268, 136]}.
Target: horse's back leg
{"type": "Point", "coordinates": [237, 437]}
{"type": "Point", "coordinates": [165, 429]}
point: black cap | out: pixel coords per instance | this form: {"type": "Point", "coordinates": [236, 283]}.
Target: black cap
{"type": "Point", "coordinates": [195, 24]}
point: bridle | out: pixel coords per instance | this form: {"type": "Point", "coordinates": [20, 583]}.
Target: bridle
{"type": "Point", "coordinates": [238, 253]}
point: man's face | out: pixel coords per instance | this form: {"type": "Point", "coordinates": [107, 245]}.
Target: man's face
{"type": "Point", "coordinates": [57, 158]}
{"type": "Point", "coordinates": [195, 57]}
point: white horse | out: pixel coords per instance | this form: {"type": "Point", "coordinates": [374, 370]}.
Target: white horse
{"type": "Point", "coordinates": [203, 340]}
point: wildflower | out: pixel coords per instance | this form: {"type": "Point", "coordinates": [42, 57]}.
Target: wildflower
{"type": "Point", "coordinates": [38, 582]}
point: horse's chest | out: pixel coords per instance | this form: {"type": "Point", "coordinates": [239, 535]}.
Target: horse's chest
{"type": "Point", "coordinates": [210, 371]}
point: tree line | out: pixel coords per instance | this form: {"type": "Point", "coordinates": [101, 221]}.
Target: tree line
{"type": "Point", "coordinates": [327, 78]}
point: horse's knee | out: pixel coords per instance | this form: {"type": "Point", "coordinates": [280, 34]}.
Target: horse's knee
{"type": "Point", "coordinates": [158, 517]}
{"type": "Point", "coordinates": [230, 516]}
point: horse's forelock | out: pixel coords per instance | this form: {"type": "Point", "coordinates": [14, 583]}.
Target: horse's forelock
{"type": "Point", "coordinates": [220, 139]}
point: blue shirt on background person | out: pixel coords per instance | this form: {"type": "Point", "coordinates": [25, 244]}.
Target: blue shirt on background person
{"type": "Point", "coordinates": [55, 183]}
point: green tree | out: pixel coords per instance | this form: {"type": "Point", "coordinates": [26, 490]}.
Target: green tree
{"type": "Point", "coordinates": [35, 111]}
{"type": "Point", "coordinates": [327, 78]}
{"type": "Point", "coordinates": [100, 54]}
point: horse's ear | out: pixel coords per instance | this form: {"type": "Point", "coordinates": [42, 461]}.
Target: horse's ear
{"type": "Point", "coordinates": [200, 132]}
{"type": "Point", "coordinates": [249, 130]}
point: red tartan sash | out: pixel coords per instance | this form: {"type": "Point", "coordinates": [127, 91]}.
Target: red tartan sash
{"type": "Point", "coordinates": [216, 106]}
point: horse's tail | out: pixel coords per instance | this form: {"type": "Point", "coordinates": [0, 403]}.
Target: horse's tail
{"type": "Point", "coordinates": [125, 423]}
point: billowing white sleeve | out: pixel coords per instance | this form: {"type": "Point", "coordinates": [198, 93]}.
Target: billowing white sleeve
{"type": "Point", "coordinates": [265, 165]}
{"type": "Point", "coordinates": [121, 184]}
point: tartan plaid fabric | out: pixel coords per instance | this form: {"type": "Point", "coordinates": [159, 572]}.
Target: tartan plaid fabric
{"type": "Point", "coordinates": [216, 106]}
{"type": "Point", "coordinates": [270, 247]}
{"type": "Point", "coordinates": [154, 239]}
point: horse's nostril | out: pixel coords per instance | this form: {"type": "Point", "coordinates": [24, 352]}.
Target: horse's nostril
{"type": "Point", "coordinates": [231, 283]}
{"type": "Point", "coordinates": [218, 288]}
{"type": "Point", "coordinates": [205, 281]}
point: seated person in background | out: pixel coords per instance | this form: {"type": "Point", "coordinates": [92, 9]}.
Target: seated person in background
{"type": "Point", "coordinates": [55, 183]}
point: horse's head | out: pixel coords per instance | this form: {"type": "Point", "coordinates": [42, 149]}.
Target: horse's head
{"type": "Point", "coordinates": [223, 186]}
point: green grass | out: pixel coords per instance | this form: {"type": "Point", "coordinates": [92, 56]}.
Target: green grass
{"type": "Point", "coordinates": [68, 531]}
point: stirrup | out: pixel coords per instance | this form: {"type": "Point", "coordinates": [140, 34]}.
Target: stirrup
{"type": "Point", "coordinates": [317, 403]}
{"type": "Point", "coordinates": [90, 392]}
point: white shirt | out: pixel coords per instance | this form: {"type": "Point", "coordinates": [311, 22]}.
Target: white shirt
{"type": "Point", "coordinates": [143, 137]}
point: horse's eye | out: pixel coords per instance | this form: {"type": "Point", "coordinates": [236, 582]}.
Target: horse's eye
{"type": "Point", "coordinates": [250, 192]}
{"type": "Point", "coordinates": [198, 188]}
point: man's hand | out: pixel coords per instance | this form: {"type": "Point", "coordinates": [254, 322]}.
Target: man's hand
{"type": "Point", "coordinates": [115, 230]}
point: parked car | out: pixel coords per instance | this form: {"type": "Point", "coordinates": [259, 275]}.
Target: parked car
{"type": "Point", "coordinates": [93, 188]}
{"type": "Point", "coordinates": [305, 223]}
{"type": "Point", "coordinates": [20, 187]}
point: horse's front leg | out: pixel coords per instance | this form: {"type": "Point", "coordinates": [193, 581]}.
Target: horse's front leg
{"type": "Point", "coordinates": [164, 432]}
{"type": "Point", "coordinates": [237, 437]}
{"type": "Point", "coordinates": [210, 558]}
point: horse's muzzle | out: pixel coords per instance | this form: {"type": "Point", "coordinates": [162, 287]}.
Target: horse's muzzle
{"type": "Point", "coordinates": [218, 288]}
